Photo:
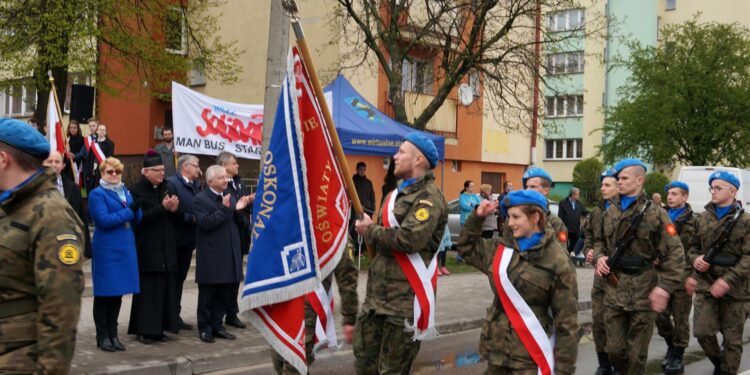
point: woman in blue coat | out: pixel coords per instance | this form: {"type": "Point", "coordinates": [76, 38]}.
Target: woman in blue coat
{"type": "Point", "coordinates": [114, 263]}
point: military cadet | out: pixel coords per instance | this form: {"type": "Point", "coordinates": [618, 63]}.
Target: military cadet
{"type": "Point", "coordinates": [528, 271]}
{"type": "Point", "coordinates": [410, 227]}
{"type": "Point", "coordinates": [40, 258]}
{"type": "Point", "coordinates": [721, 262]}
{"type": "Point", "coordinates": [635, 233]}
{"type": "Point", "coordinates": [677, 333]}
{"type": "Point", "coordinates": [593, 230]}
{"type": "Point", "coordinates": [539, 180]}
{"type": "Point", "coordinates": [346, 278]}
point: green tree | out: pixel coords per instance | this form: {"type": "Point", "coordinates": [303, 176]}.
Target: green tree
{"type": "Point", "coordinates": [586, 177]}
{"type": "Point", "coordinates": [655, 183]}
{"type": "Point", "coordinates": [117, 42]}
{"type": "Point", "coordinates": [687, 99]}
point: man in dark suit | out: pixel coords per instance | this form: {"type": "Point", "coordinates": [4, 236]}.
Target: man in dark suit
{"type": "Point", "coordinates": [72, 194]}
{"type": "Point", "coordinates": [237, 189]}
{"type": "Point", "coordinates": [570, 213]}
{"type": "Point", "coordinates": [218, 258]}
{"type": "Point", "coordinates": [186, 185]}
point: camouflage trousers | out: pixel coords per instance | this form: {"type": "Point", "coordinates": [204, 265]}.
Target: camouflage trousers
{"type": "Point", "coordinates": [597, 314]}
{"type": "Point", "coordinates": [281, 366]}
{"type": "Point", "coordinates": [499, 370]}
{"type": "Point", "coordinates": [18, 357]}
{"type": "Point", "coordinates": [382, 346]}
{"type": "Point", "coordinates": [628, 336]}
{"type": "Point", "coordinates": [724, 315]}
{"type": "Point", "coordinates": [674, 322]}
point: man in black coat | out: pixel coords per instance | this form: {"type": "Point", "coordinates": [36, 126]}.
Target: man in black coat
{"type": "Point", "coordinates": [570, 213]}
{"type": "Point", "coordinates": [72, 194]}
{"type": "Point", "coordinates": [186, 185]}
{"type": "Point", "coordinates": [219, 259]}
{"type": "Point", "coordinates": [154, 310]}
{"type": "Point", "coordinates": [366, 194]}
{"type": "Point", "coordinates": [237, 189]}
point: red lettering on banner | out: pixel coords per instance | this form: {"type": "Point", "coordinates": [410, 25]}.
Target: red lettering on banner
{"type": "Point", "coordinates": [231, 128]}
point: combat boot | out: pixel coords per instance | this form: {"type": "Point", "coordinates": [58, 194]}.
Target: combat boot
{"type": "Point", "coordinates": [717, 364]}
{"type": "Point", "coordinates": [605, 368]}
{"type": "Point", "coordinates": [674, 365]}
{"type": "Point", "coordinates": [667, 356]}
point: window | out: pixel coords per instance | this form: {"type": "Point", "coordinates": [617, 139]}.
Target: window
{"type": "Point", "coordinates": [417, 76]}
{"type": "Point", "coordinates": [570, 19]}
{"type": "Point", "coordinates": [19, 100]}
{"type": "Point", "coordinates": [175, 31]}
{"type": "Point", "coordinates": [565, 62]}
{"type": "Point", "coordinates": [474, 82]}
{"type": "Point", "coordinates": [198, 73]}
{"type": "Point", "coordinates": [671, 5]}
{"type": "Point", "coordinates": [563, 149]}
{"type": "Point", "coordinates": [564, 106]}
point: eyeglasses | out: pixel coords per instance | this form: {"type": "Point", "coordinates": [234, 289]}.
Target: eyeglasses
{"type": "Point", "coordinates": [717, 189]}
{"type": "Point", "coordinates": [113, 172]}
{"type": "Point", "coordinates": [157, 170]}
{"type": "Point", "coordinates": [194, 165]}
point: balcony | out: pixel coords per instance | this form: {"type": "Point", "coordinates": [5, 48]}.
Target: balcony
{"type": "Point", "coordinates": [444, 120]}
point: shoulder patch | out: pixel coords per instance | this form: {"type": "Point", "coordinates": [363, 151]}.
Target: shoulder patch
{"type": "Point", "coordinates": [562, 236]}
{"type": "Point", "coordinates": [425, 202]}
{"type": "Point", "coordinates": [67, 237]}
{"type": "Point", "coordinates": [68, 254]}
{"type": "Point", "coordinates": [422, 214]}
{"type": "Point", "coordinates": [671, 229]}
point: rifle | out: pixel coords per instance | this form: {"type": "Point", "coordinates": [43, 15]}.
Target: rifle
{"type": "Point", "coordinates": [712, 253]}
{"type": "Point", "coordinates": [623, 243]}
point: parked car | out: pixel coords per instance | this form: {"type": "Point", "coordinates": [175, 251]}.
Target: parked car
{"type": "Point", "coordinates": [454, 217]}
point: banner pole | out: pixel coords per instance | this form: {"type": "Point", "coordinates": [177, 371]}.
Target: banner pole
{"type": "Point", "coordinates": [340, 157]}
{"type": "Point", "coordinates": [59, 112]}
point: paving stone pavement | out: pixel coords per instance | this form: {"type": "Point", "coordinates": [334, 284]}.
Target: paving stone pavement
{"type": "Point", "coordinates": [462, 300]}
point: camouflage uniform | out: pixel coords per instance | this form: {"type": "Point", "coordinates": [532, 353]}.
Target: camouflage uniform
{"type": "Point", "coordinates": [593, 230]}
{"type": "Point", "coordinates": [678, 333]}
{"type": "Point", "coordinates": [381, 345]}
{"type": "Point", "coordinates": [727, 314]}
{"type": "Point", "coordinates": [546, 278]}
{"type": "Point", "coordinates": [40, 279]}
{"type": "Point", "coordinates": [629, 317]}
{"type": "Point", "coordinates": [346, 278]}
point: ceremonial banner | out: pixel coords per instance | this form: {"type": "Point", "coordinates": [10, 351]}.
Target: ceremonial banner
{"type": "Point", "coordinates": [54, 125]}
{"type": "Point", "coordinates": [208, 126]}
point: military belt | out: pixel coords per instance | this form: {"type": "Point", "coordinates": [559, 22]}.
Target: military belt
{"type": "Point", "coordinates": [725, 260]}
{"type": "Point", "coordinates": [18, 307]}
{"type": "Point", "coordinates": [632, 265]}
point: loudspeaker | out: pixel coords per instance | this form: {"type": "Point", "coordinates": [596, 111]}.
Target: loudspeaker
{"type": "Point", "coordinates": [81, 103]}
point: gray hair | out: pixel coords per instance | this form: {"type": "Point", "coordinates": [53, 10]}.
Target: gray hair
{"type": "Point", "coordinates": [224, 157]}
{"type": "Point", "coordinates": [575, 190]}
{"type": "Point", "coordinates": [212, 171]}
{"type": "Point", "coordinates": [182, 160]}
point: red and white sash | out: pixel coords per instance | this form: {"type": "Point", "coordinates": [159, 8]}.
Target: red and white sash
{"type": "Point", "coordinates": [325, 328]}
{"type": "Point", "coordinates": [521, 317]}
{"type": "Point", "coordinates": [98, 152]}
{"type": "Point", "coordinates": [423, 280]}
{"type": "Point", "coordinates": [87, 142]}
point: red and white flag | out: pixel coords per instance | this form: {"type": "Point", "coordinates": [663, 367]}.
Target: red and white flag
{"type": "Point", "coordinates": [54, 126]}
{"type": "Point", "coordinates": [282, 323]}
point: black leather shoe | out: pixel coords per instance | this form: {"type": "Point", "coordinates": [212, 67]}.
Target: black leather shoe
{"type": "Point", "coordinates": [117, 344]}
{"type": "Point", "coordinates": [158, 338]}
{"type": "Point", "coordinates": [234, 321]}
{"type": "Point", "coordinates": [223, 334]}
{"type": "Point", "coordinates": [206, 337]}
{"type": "Point", "coordinates": [105, 344]}
{"type": "Point", "coordinates": [182, 325]}
{"type": "Point", "coordinates": [144, 340]}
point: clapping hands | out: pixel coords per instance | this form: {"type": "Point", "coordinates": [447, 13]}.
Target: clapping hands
{"type": "Point", "coordinates": [170, 203]}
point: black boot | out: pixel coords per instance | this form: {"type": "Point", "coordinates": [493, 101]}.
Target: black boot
{"type": "Point", "coordinates": [667, 356]}
{"type": "Point", "coordinates": [105, 344]}
{"type": "Point", "coordinates": [717, 364]}
{"type": "Point", "coordinates": [605, 368]}
{"type": "Point", "coordinates": [116, 342]}
{"type": "Point", "coordinates": [674, 365]}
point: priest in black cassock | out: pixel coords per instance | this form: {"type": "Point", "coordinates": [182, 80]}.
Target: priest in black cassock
{"type": "Point", "coordinates": [155, 309]}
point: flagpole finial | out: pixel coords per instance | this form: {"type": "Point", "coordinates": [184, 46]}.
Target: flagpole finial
{"type": "Point", "coordinates": [291, 7]}
{"type": "Point", "coordinates": [49, 74]}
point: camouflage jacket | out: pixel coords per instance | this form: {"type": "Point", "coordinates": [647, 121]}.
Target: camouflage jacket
{"type": "Point", "coordinates": [653, 239]}
{"type": "Point", "coordinates": [346, 279]}
{"type": "Point", "coordinates": [709, 228]}
{"type": "Point", "coordinates": [422, 213]}
{"type": "Point", "coordinates": [40, 279]}
{"type": "Point", "coordinates": [545, 277]}
{"type": "Point", "coordinates": [686, 225]}
{"type": "Point", "coordinates": [593, 227]}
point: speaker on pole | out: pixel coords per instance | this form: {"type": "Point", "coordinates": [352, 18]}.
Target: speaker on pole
{"type": "Point", "coordinates": [81, 103]}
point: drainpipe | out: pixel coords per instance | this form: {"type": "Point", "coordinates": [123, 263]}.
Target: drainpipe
{"type": "Point", "coordinates": [537, 63]}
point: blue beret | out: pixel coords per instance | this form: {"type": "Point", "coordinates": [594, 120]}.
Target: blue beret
{"type": "Point", "coordinates": [22, 136]}
{"type": "Point", "coordinates": [523, 197]}
{"type": "Point", "coordinates": [624, 163]}
{"type": "Point", "coordinates": [535, 172]}
{"type": "Point", "coordinates": [726, 176]}
{"type": "Point", "coordinates": [425, 145]}
{"type": "Point", "coordinates": [677, 184]}
{"type": "Point", "coordinates": [607, 173]}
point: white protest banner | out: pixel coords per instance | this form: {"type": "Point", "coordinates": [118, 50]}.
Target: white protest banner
{"type": "Point", "coordinates": [208, 126]}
